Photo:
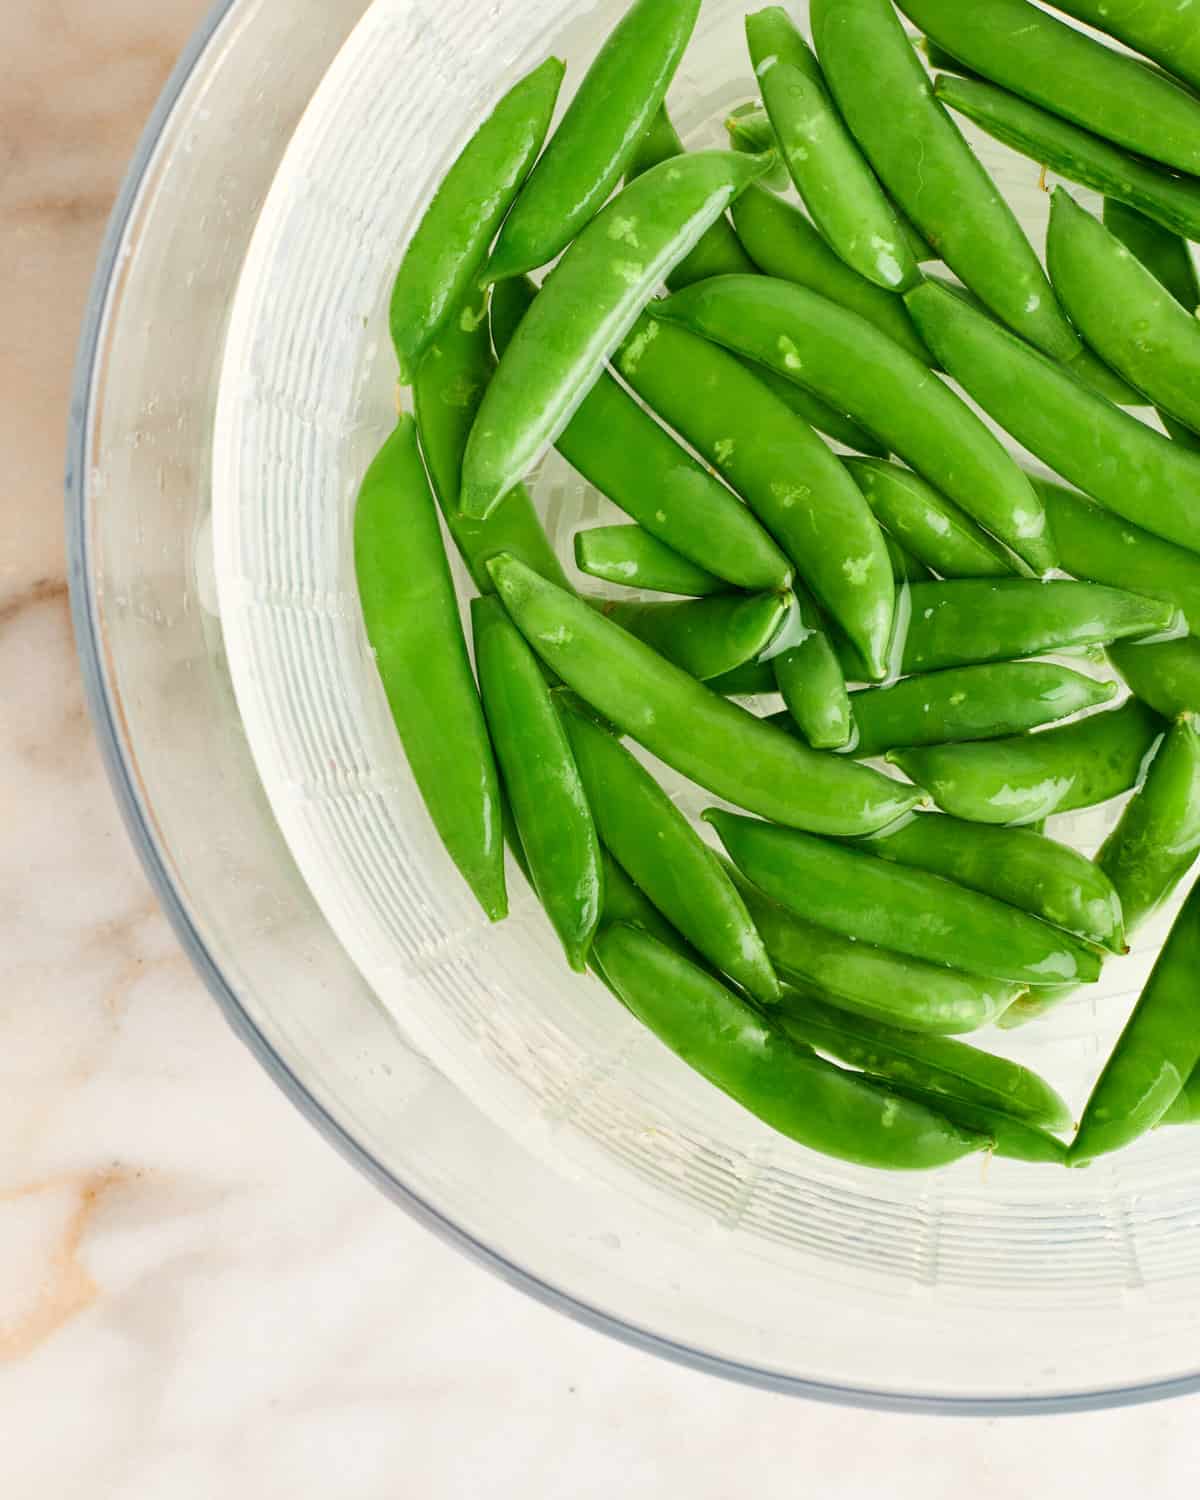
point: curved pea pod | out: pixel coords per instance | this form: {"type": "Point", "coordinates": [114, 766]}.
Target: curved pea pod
{"type": "Point", "coordinates": [782, 242]}
{"type": "Point", "coordinates": [750, 1059]}
{"type": "Point", "coordinates": [452, 239]}
{"type": "Point", "coordinates": [624, 902]}
{"type": "Point", "coordinates": [810, 677]}
{"type": "Point", "coordinates": [1120, 462]}
{"type": "Point", "coordinates": [932, 528]}
{"type": "Point", "coordinates": [750, 129]}
{"type": "Point", "coordinates": [1032, 776]}
{"type": "Point", "coordinates": [619, 96]}
{"type": "Point", "coordinates": [1157, 1052]}
{"type": "Point", "coordinates": [1171, 201]}
{"type": "Point", "coordinates": [705, 637]}
{"type": "Point", "coordinates": [629, 555]}
{"type": "Point", "coordinates": [1166, 676]}
{"type": "Point", "coordinates": [1016, 865]}
{"type": "Point", "coordinates": [902, 909]}
{"type": "Point", "coordinates": [1186, 1109]}
{"type": "Point", "coordinates": [589, 302]}
{"type": "Point", "coordinates": [908, 992]}
{"type": "Point", "coordinates": [1157, 840]}
{"type": "Point", "coordinates": [545, 790]}
{"type": "Point", "coordinates": [1115, 96]}
{"type": "Point", "coordinates": [415, 632]}
{"type": "Point", "coordinates": [885, 97]}
{"type": "Point", "coordinates": [666, 859]}
{"type": "Point", "coordinates": [1162, 29]}
{"type": "Point", "coordinates": [778, 464]}
{"type": "Point", "coordinates": [971, 703]}
{"type": "Point", "coordinates": [817, 413]}
{"type": "Point", "coordinates": [935, 1065]}
{"type": "Point", "coordinates": [824, 161]}
{"type": "Point", "coordinates": [1014, 1139]}
{"type": "Point", "coordinates": [1123, 311]}
{"type": "Point", "coordinates": [846, 361]}
{"type": "Point", "coordinates": [715, 743]}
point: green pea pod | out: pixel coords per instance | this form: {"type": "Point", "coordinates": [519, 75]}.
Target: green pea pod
{"type": "Point", "coordinates": [624, 452]}
{"type": "Point", "coordinates": [785, 473]}
{"type": "Point", "coordinates": [545, 790]}
{"type": "Point", "coordinates": [705, 637]}
{"type": "Point", "coordinates": [908, 992]}
{"type": "Point", "coordinates": [666, 859]}
{"type": "Point", "coordinates": [751, 681]}
{"type": "Point", "coordinates": [810, 677]}
{"type": "Point", "coordinates": [1017, 865]}
{"type": "Point", "coordinates": [921, 157]}
{"type": "Point", "coordinates": [451, 379]}
{"type": "Point", "coordinates": [1166, 676]}
{"type": "Point", "coordinates": [1118, 460]}
{"type": "Point", "coordinates": [817, 413]}
{"type": "Point", "coordinates": [749, 128]}
{"type": "Point", "coordinates": [718, 252]}
{"type": "Point", "coordinates": [1157, 1052]}
{"type": "Point", "coordinates": [1173, 202]}
{"type": "Point", "coordinates": [1157, 840]}
{"type": "Point", "coordinates": [1030, 776]}
{"type": "Point", "coordinates": [748, 1058]}
{"type": "Point", "coordinates": [902, 909]}
{"type": "Point", "coordinates": [904, 565]}
{"type": "Point", "coordinates": [935, 1065]}
{"type": "Point", "coordinates": [625, 902]}
{"type": "Point", "coordinates": [451, 241]}
{"type": "Point", "coordinates": [630, 556]}
{"type": "Point", "coordinates": [619, 96]}
{"type": "Point", "coordinates": [1123, 311]}
{"type": "Point", "coordinates": [415, 633]}
{"type": "Point", "coordinates": [1186, 1109]}
{"type": "Point", "coordinates": [1015, 44]}
{"type": "Point", "coordinates": [846, 361]}
{"type": "Point", "coordinates": [1162, 29]}
{"type": "Point", "coordinates": [715, 743]}
{"type": "Point", "coordinates": [931, 527]}
{"type": "Point", "coordinates": [825, 164]}
{"type": "Point", "coordinates": [1011, 1138]}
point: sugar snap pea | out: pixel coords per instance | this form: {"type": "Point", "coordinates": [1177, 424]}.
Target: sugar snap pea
{"type": "Point", "coordinates": [1112, 456]}
{"type": "Point", "coordinates": [624, 902]}
{"type": "Point", "coordinates": [1165, 675]}
{"type": "Point", "coordinates": [825, 164]}
{"type": "Point", "coordinates": [1157, 1052]}
{"type": "Point", "coordinates": [1016, 865]}
{"type": "Point", "coordinates": [629, 555]}
{"type": "Point", "coordinates": [1011, 1138]}
{"type": "Point", "coordinates": [900, 908]}
{"type": "Point", "coordinates": [715, 743]}
{"type": "Point", "coordinates": [620, 95]}
{"type": "Point", "coordinates": [416, 637]}
{"type": "Point", "coordinates": [452, 239]}
{"type": "Point", "coordinates": [1031, 776]}
{"type": "Point", "coordinates": [919, 153]}
{"type": "Point", "coordinates": [1162, 29]}
{"type": "Point", "coordinates": [705, 637]}
{"type": "Point", "coordinates": [932, 528]}
{"type": "Point", "coordinates": [782, 469]}
{"type": "Point", "coordinates": [749, 1058]}
{"type": "Point", "coordinates": [810, 677]}
{"type": "Point", "coordinates": [751, 681]}
{"type": "Point", "coordinates": [847, 361]}
{"type": "Point", "coordinates": [817, 413]}
{"type": "Point", "coordinates": [665, 858]}
{"type": "Point", "coordinates": [545, 790]}
{"type": "Point", "coordinates": [588, 304]}
{"type": "Point", "coordinates": [624, 452]}
{"type": "Point", "coordinates": [1186, 1109]}
{"type": "Point", "coordinates": [1123, 311]}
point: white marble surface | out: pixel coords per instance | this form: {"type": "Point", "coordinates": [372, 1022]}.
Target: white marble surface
{"type": "Point", "coordinates": [196, 1296]}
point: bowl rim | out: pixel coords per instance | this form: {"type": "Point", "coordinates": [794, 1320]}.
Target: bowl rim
{"type": "Point", "coordinates": [112, 737]}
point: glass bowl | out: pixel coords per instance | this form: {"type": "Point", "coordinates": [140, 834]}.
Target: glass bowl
{"type": "Point", "coordinates": [233, 379]}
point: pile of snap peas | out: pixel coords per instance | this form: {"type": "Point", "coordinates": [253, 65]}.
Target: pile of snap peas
{"type": "Point", "coordinates": [750, 353]}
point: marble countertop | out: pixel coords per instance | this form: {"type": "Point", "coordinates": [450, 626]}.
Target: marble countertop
{"type": "Point", "coordinates": [198, 1301]}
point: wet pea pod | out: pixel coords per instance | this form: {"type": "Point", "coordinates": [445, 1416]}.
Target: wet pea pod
{"type": "Point", "coordinates": [822, 157]}
{"type": "Point", "coordinates": [1032, 776]}
{"type": "Point", "coordinates": [750, 1059]}
{"type": "Point", "coordinates": [902, 909]}
{"type": "Point", "coordinates": [1165, 676]}
{"type": "Point", "coordinates": [781, 468]}
{"type": "Point", "coordinates": [1123, 311]}
{"type": "Point", "coordinates": [810, 677]}
{"type": "Point", "coordinates": [415, 633]}
{"type": "Point", "coordinates": [885, 97]}
{"type": "Point", "coordinates": [713, 742]}
{"type": "Point", "coordinates": [545, 790]}
{"type": "Point", "coordinates": [749, 128]}
{"type": "Point", "coordinates": [817, 413]}
{"type": "Point", "coordinates": [625, 902]}
{"type": "Point", "coordinates": [1013, 1139]}
{"type": "Point", "coordinates": [1116, 459]}
{"type": "Point", "coordinates": [450, 243]}
{"type": "Point", "coordinates": [1186, 1109]}
{"type": "Point", "coordinates": [666, 859]}
{"type": "Point", "coordinates": [630, 556]}
{"type": "Point", "coordinates": [1157, 1052]}
{"type": "Point", "coordinates": [1019, 866]}
{"type": "Point", "coordinates": [1162, 29]}
{"type": "Point", "coordinates": [904, 565]}
{"type": "Point", "coordinates": [706, 637]}
{"type": "Point", "coordinates": [753, 680]}
{"type": "Point", "coordinates": [846, 361]}
{"type": "Point", "coordinates": [619, 96]}
{"type": "Point", "coordinates": [624, 452]}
